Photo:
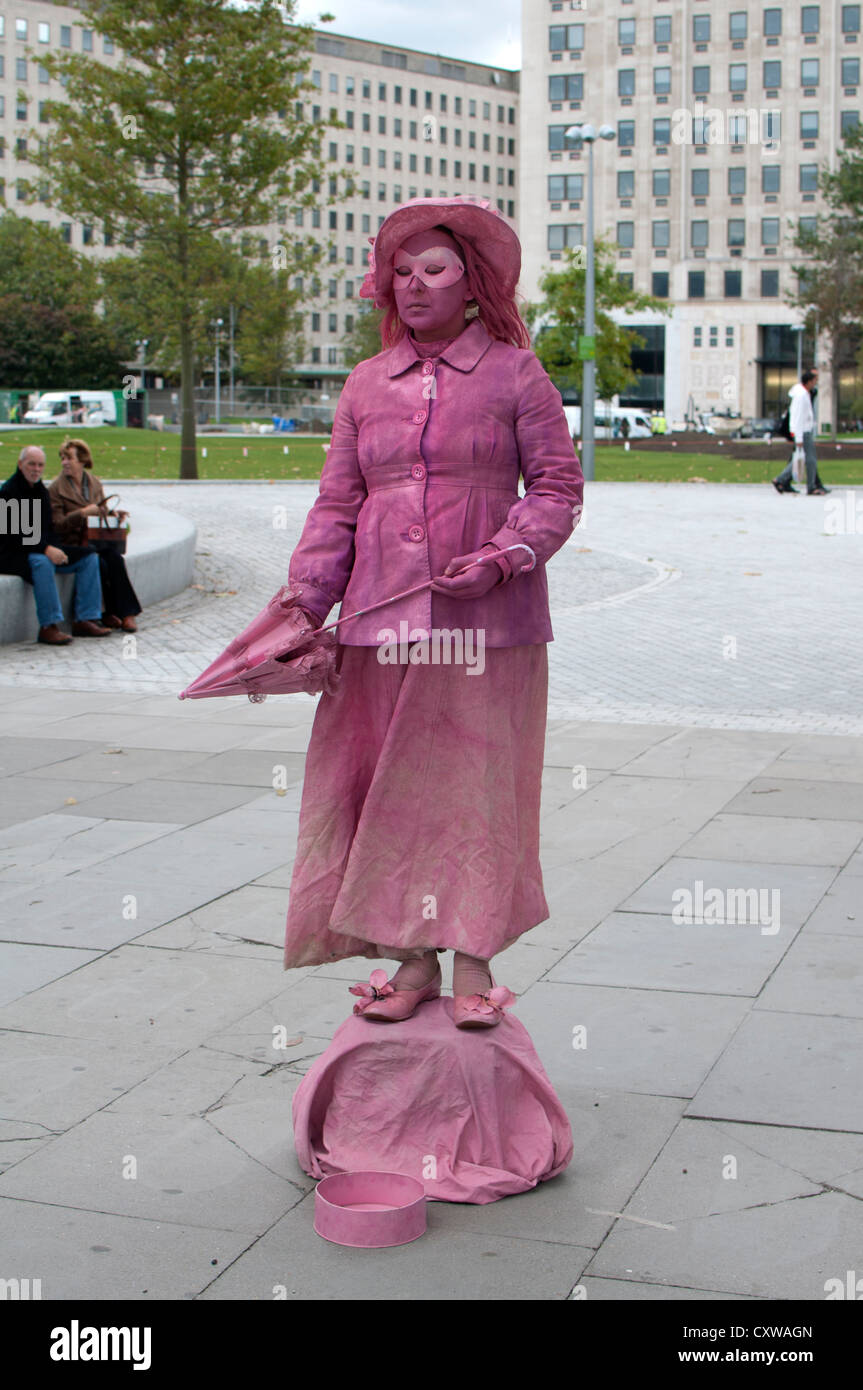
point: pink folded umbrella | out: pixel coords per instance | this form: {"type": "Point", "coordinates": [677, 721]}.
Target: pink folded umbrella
{"type": "Point", "coordinates": [282, 653]}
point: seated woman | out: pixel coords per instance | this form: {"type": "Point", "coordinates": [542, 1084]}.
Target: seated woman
{"type": "Point", "coordinates": [75, 495]}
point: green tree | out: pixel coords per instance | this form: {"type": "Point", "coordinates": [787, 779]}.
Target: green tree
{"type": "Point", "coordinates": [51, 336]}
{"type": "Point", "coordinates": [364, 339]}
{"type": "Point", "coordinates": [267, 317]}
{"type": "Point", "coordinates": [559, 320]}
{"type": "Point", "coordinates": [192, 134]}
{"type": "Point", "coordinates": [829, 288]}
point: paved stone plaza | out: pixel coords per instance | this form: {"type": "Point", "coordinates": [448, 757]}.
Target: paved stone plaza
{"type": "Point", "coordinates": [706, 727]}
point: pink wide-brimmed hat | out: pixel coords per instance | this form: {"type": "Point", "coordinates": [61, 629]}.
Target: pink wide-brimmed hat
{"type": "Point", "coordinates": [473, 220]}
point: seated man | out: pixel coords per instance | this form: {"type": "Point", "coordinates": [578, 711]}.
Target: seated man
{"type": "Point", "coordinates": [30, 548]}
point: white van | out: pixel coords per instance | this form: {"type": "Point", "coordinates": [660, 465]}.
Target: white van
{"type": "Point", "coordinates": [73, 408]}
{"type": "Point", "coordinates": [605, 417]}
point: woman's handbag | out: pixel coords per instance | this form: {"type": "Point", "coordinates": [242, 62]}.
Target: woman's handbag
{"type": "Point", "coordinates": [105, 530]}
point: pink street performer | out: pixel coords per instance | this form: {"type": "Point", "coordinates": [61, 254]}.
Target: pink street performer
{"type": "Point", "coordinates": [419, 823]}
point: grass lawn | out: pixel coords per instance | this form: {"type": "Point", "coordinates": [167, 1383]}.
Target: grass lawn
{"type": "Point", "coordinates": [149, 454]}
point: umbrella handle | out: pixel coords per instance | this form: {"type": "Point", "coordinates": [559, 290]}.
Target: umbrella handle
{"type": "Point", "coordinates": [417, 588]}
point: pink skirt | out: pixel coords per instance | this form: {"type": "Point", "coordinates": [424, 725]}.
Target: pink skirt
{"type": "Point", "coordinates": [419, 821]}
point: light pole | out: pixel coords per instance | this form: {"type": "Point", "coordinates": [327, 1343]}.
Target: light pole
{"type": "Point", "coordinates": [218, 326]}
{"type": "Point", "coordinates": [588, 134]}
{"type": "Point", "coordinates": [142, 344]}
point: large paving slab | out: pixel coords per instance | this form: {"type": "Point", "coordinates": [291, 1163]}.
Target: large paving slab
{"type": "Point", "coordinates": [788, 1069]}
{"type": "Point", "coordinates": [81, 1255]}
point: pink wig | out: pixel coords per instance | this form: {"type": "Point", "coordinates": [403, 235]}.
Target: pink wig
{"type": "Point", "coordinates": [499, 315]}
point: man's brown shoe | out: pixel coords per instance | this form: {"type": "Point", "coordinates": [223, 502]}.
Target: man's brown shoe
{"type": "Point", "coordinates": [129, 625]}
{"type": "Point", "coordinates": [88, 628]}
{"type": "Point", "coordinates": [108, 620]}
{"type": "Point", "coordinates": [53, 636]}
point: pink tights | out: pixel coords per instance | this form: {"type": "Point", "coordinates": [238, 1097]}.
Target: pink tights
{"type": "Point", "coordinates": [470, 974]}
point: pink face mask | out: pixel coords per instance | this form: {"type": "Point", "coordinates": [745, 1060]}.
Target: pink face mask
{"type": "Point", "coordinates": [437, 268]}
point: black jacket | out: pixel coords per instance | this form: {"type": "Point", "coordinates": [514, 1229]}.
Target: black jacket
{"type": "Point", "coordinates": [15, 547]}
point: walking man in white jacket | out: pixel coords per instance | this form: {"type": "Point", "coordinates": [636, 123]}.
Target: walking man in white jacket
{"type": "Point", "coordinates": [802, 425]}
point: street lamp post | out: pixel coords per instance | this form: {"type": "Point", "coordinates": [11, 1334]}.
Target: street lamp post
{"type": "Point", "coordinates": [218, 326]}
{"type": "Point", "coordinates": [142, 344]}
{"type": "Point", "coordinates": [588, 134]}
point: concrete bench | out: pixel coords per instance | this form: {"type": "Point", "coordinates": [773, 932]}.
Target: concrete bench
{"type": "Point", "coordinates": [160, 558]}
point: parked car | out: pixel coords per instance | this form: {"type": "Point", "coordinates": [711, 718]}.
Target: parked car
{"type": "Point", "coordinates": [754, 429]}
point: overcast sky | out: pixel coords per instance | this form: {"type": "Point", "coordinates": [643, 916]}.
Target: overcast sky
{"type": "Point", "coordinates": [485, 31]}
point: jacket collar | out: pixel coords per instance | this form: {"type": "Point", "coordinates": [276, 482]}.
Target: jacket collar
{"type": "Point", "coordinates": [463, 352]}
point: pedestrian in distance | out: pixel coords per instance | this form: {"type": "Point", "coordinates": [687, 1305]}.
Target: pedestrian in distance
{"type": "Point", "coordinates": [801, 429]}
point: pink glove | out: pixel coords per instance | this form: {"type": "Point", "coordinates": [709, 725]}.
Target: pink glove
{"type": "Point", "coordinates": [477, 579]}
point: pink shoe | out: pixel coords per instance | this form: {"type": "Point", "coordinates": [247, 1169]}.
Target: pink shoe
{"type": "Point", "coordinates": [388, 1005]}
{"type": "Point", "coordinates": [482, 1010]}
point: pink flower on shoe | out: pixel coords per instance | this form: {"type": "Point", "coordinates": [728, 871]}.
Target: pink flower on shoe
{"type": "Point", "coordinates": [494, 1001]}
{"type": "Point", "coordinates": [378, 987]}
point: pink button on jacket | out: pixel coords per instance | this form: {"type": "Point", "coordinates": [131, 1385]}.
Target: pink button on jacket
{"type": "Point", "coordinates": [424, 465]}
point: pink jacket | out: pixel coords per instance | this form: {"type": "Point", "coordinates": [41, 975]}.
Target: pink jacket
{"type": "Point", "coordinates": [423, 465]}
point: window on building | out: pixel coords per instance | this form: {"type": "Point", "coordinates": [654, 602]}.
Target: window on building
{"type": "Point", "coordinates": [738, 24]}
{"type": "Point", "coordinates": [626, 32]}
{"type": "Point", "coordinates": [21, 29]}
{"type": "Point", "coordinates": [21, 69]}
{"type": "Point", "coordinates": [772, 74]}
{"type": "Point", "coordinates": [661, 183]}
{"type": "Point", "coordinates": [662, 29]}
{"type": "Point", "coordinates": [808, 125]}
{"type": "Point", "coordinates": [563, 235]}
{"type": "Point", "coordinates": [696, 332]}
{"type": "Point", "coordinates": [565, 187]}
{"type": "Point", "coordinates": [662, 130]}
{"type": "Point", "coordinates": [87, 40]}
{"type": "Point", "coordinates": [626, 235]}
{"type": "Point", "coordinates": [626, 82]}
{"type": "Point", "coordinates": [773, 22]}
{"type": "Point", "coordinates": [65, 36]}
{"type": "Point", "coordinates": [714, 335]}
{"type": "Point", "coordinates": [771, 178]}
{"type": "Point", "coordinates": [66, 232]}
{"type": "Point", "coordinates": [808, 178]}
{"type": "Point", "coordinates": [44, 33]}
{"type": "Point", "coordinates": [770, 284]}
{"type": "Point", "coordinates": [568, 86]}
{"type": "Point", "coordinates": [701, 80]}
{"type": "Point", "coordinates": [810, 19]}
{"type": "Point", "coordinates": [809, 72]}
{"type": "Point", "coordinates": [770, 231]}
{"type": "Point", "coordinates": [659, 284]}
{"type": "Point", "coordinates": [850, 72]}
{"type": "Point", "coordinates": [737, 77]}
{"type": "Point", "coordinates": [736, 231]}
{"type": "Point", "coordinates": [700, 183]}
{"type": "Point", "coordinates": [733, 287]}
{"type": "Point", "coordinates": [701, 28]}
{"type": "Point", "coordinates": [625, 134]}
{"type": "Point", "coordinates": [563, 37]}
{"type": "Point", "coordinates": [850, 19]}
{"type": "Point", "coordinates": [44, 76]}
{"type": "Point", "coordinates": [626, 279]}
{"type": "Point", "coordinates": [696, 285]}
{"type": "Point", "coordinates": [661, 234]}
{"type": "Point", "coordinates": [848, 121]}
{"type": "Point", "coordinates": [662, 81]}
{"type": "Point", "coordinates": [626, 183]}
{"type": "Point", "coordinates": [699, 232]}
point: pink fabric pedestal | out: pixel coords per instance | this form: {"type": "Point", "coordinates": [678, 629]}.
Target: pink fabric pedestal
{"type": "Point", "coordinates": [471, 1114]}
